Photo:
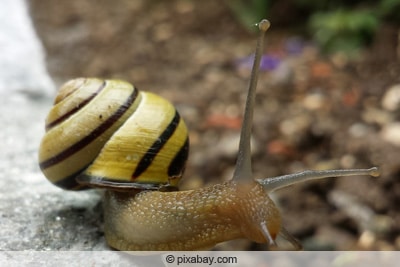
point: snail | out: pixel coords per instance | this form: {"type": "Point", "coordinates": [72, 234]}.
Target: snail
{"type": "Point", "coordinates": [134, 144]}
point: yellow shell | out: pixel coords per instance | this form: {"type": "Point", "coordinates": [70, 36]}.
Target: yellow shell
{"type": "Point", "coordinates": [107, 133]}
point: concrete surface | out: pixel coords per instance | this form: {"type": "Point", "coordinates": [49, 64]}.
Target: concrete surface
{"type": "Point", "coordinates": [22, 55]}
{"type": "Point", "coordinates": [35, 215]}
{"type": "Point", "coordinates": [40, 224]}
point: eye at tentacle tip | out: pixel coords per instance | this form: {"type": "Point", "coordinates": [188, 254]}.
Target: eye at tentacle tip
{"type": "Point", "coordinates": [374, 172]}
{"type": "Point", "coordinates": [264, 25]}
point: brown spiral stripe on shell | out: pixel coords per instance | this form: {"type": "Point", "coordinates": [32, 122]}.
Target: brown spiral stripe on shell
{"type": "Point", "coordinates": [91, 136]}
{"type": "Point", "coordinates": [76, 108]}
{"type": "Point", "coordinates": [148, 157]}
{"type": "Point", "coordinates": [70, 182]}
{"type": "Point", "coordinates": [175, 168]}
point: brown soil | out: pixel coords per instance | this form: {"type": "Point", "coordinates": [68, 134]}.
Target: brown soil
{"type": "Point", "coordinates": [312, 112]}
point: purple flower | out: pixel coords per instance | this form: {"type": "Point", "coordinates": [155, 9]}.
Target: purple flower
{"type": "Point", "coordinates": [268, 62]}
{"type": "Point", "coordinates": [294, 45]}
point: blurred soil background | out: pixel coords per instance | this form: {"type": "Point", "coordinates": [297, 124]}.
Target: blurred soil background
{"type": "Point", "coordinates": [314, 110]}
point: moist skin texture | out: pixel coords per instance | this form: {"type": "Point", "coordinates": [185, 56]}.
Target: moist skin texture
{"type": "Point", "coordinates": [189, 220]}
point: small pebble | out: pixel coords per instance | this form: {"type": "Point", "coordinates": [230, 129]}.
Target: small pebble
{"type": "Point", "coordinates": [391, 99]}
{"type": "Point", "coordinates": [314, 101]}
{"type": "Point", "coordinates": [358, 130]}
{"type": "Point", "coordinates": [367, 240]}
{"type": "Point", "coordinates": [391, 133]}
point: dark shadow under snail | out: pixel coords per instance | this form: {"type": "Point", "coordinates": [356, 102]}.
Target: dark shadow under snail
{"type": "Point", "coordinates": [107, 134]}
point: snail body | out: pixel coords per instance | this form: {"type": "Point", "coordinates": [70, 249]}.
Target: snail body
{"type": "Point", "coordinates": [189, 220]}
{"type": "Point", "coordinates": [107, 134]}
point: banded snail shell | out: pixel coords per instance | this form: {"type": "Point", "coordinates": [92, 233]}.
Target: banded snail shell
{"type": "Point", "coordinates": [107, 133]}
